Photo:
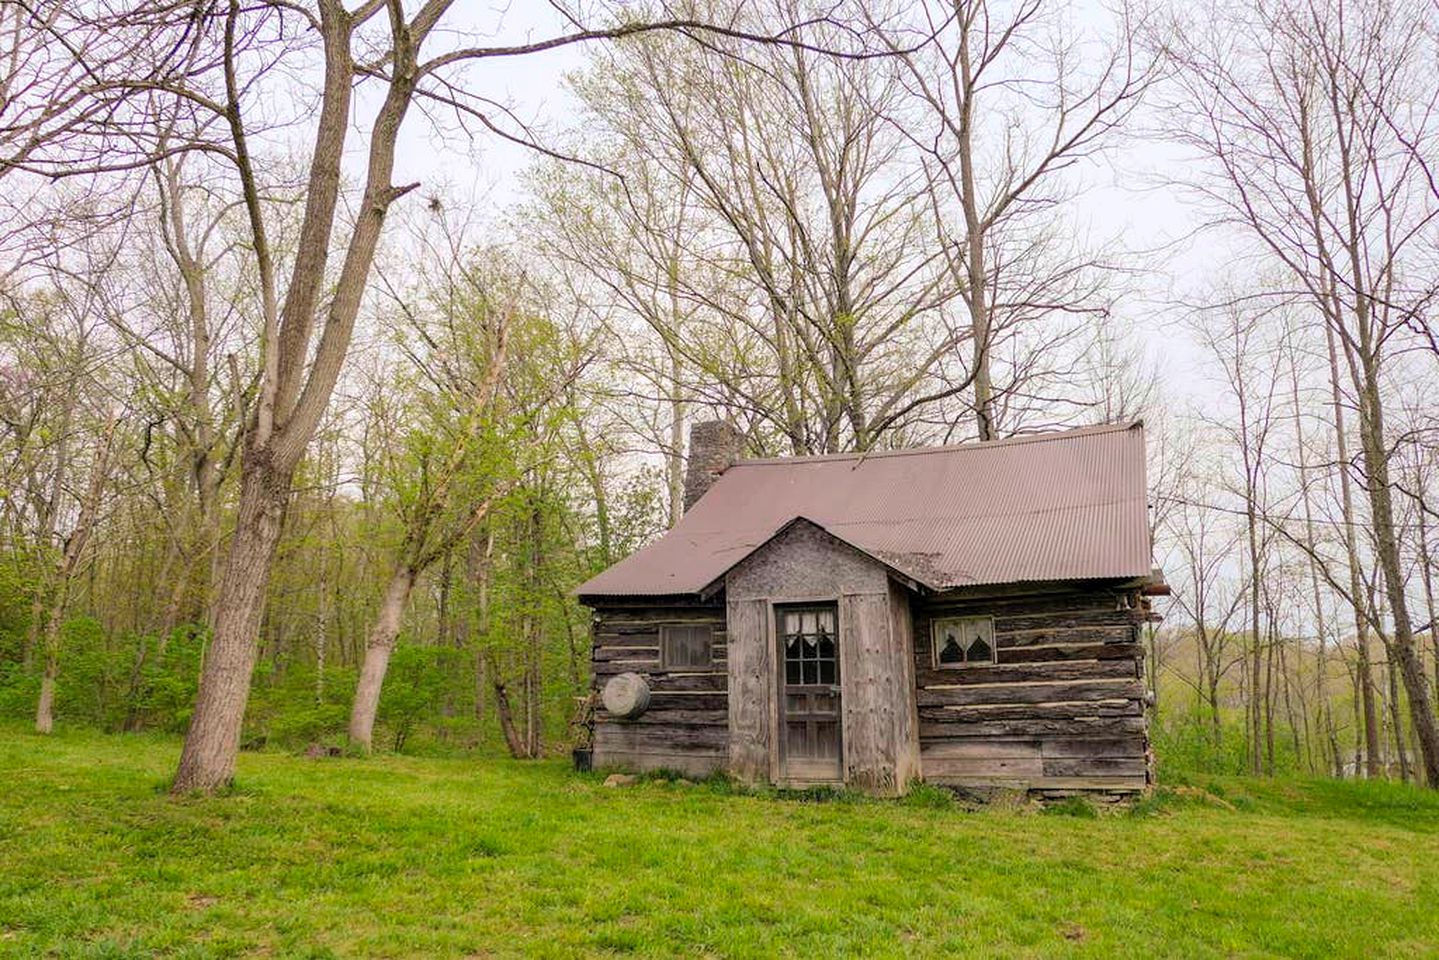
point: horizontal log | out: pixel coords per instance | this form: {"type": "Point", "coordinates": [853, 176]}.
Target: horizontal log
{"type": "Point", "coordinates": [1065, 691]}
{"type": "Point", "coordinates": [688, 700]}
{"type": "Point", "coordinates": [607, 634]}
{"type": "Point", "coordinates": [1055, 621]}
{"type": "Point", "coordinates": [1067, 601]}
{"type": "Point", "coordinates": [1067, 651]}
{"type": "Point", "coordinates": [1050, 748]}
{"type": "Point", "coordinates": [698, 717]}
{"type": "Point", "coordinates": [980, 749]}
{"type": "Point", "coordinates": [688, 763]}
{"type": "Point", "coordinates": [1092, 747]}
{"type": "Point", "coordinates": [635, 653]}
{"type": "Point", "coordinates": [1094, 767]}
{"type": "Point", "coordinates": [1114, 633]}
{"type": "Point", "coordinates": [942, 768]}
{"type": "Point", "coordinates": [672, 682]}
{"type": "Point", "coordinates": [650, 739]}
{"type": "Point", "coordinates": [652, 616]}
{"type": "Point", "coordinates": [981, 674]}
{"type": "Point", "coordinates": [654, 674]}
{"type": "Point", "coordinates": [1032, 711]}
{"type": "Point", "coordinates": [931, 731]}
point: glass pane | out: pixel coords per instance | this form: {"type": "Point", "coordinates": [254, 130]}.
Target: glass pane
{"type": "Point", "coordinates": [826, 621]}
{"type": "Point", "coordinates": [826, 648]}
{"type": "Point", "coordinates": [811, 671]}
{"type": "Point", "coordinates": [791, 671]}
{"type": "Point", "coordinates": [826, 671]}
{"type": "Point", "coordinates": [979, 651]}
{"type": "Point", "coordinates": [950, 652]}
{"type": "Point", "coordinates": [791, 622]}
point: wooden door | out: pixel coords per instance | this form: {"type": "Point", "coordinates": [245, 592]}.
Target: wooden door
{"type": "Point", "coordinates": [809, 652]}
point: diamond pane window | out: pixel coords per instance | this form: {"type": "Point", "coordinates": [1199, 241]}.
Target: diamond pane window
{"type": "Point", "coordinates": [963, 641]}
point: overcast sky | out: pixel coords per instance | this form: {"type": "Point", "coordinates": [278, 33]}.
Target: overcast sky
{"type": "Point", "coordinates": [1126, 202]}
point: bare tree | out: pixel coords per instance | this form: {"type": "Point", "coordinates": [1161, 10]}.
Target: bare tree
{"type": "Point", "coordinates": [1007, 100]}
{"type": "Point", "coordinates": [1313, 117]}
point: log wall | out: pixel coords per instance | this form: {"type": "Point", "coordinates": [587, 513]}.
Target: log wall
{"type": "Point", "coordinates": [1061, 709]}
{"type": "Point", "coordinates": [686, 727]}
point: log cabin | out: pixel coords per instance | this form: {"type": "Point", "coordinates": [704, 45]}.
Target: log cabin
{"type": "Point", "coordinates": [966, 615]}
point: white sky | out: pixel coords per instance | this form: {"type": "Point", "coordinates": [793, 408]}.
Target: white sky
{"type": "Point", "coordinates": [1125, 203]}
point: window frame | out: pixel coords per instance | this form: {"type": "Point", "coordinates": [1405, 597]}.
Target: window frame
{"type": "Point", "coordinates": [667, 660]}
{"type": "Point", "coordinates": [934, 628]}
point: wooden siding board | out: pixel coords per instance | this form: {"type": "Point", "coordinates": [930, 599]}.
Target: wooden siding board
{"type": "Point", "coordinates": [750, 690]}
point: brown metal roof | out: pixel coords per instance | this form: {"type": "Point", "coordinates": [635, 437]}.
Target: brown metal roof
{"type": "Point", "coordinates": [1068, 505]}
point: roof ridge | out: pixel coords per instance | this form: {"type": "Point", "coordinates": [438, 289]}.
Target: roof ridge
{"type": "Point", "coordinates": [968, 446]}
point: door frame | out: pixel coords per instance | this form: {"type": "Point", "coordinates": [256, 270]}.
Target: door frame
{"type": "Point", "coordinates": [777, 610]}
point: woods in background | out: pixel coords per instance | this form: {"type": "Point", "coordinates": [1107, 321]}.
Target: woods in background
{"type": "Point", "coordinates": [354, 440]}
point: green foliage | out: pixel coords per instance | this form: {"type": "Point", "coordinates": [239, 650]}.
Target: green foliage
{"type": "Point", "coordinates": [113, 682]}
{"type": "Point", "coordinates": [929, 796]}
{"type": "Point", "coordinates": [422, 682]}
{"type": "Point", "coordinates": [16, 589]}
{"type": "Point", "coordinates": [284, 710]}
{"type": "Point", "coordinates": [1071, 807]}
{"type": "Point", "coordinates": [397, 856]}
{"type": "Point", "coordinates": [1186, 745]}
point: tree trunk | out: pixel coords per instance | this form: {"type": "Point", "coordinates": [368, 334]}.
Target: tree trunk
{"type": "Point", "coordinates": [45, 707]}
{"type": "Point", "coordinates": [1356, 576]}
{"type": "Point", "coordinates": [207, 760]}
{"type": "Point", "coordinates": [1386, 546]}
{"type": "Point", "coordinates": [513, 740]}
{"type": "Point", "coordinates": [377, 656]}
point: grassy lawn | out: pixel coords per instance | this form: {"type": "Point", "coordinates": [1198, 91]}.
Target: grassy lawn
{"type": "Point", "coordinates": [397, 856]}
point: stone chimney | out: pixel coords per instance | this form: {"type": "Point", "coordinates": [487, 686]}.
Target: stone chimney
{"type": "Point", "coordinates": [714, 445]}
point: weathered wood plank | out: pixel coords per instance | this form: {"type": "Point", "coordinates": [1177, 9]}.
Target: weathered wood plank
{"type": "Point", "coordinates": [1064, 691]}
{"type": "Point", "coordinates": [1029, 726]}
{"type": "Point", "coordinates": [751, 689]}
{"type": "Point", "coordinates": [622, 737]}
{"type": "Point", "coordinates": [1090, 747]}
{"type": "Point", "coordinates": [1032, 711]}
{"type": "Point", "coordinates": [1048, 601]}
{"type": "Point", "coordinates": [980, 748]}
{"type": "Point", "coordinates": [688, 700]}
{"type": "Point", "coordinates": [674, 682]}
{"type": "Point", "coordinates": [1066, 651]}
{"type": "Point", "coordinates": [942, 768]}
{"type": "Point", "coordinates": [1115, 633]}
{"type": "Point", "coordinates": [1020, 673]}
{"type": "Point", "coordinates": [630, 654]}
{"type": "Point", "coordinates": [1094, 766]}
{"type": "Point", "coordinates": [1069, 620]}
{"type": "Point", "coordinates": [653, 717]}
{"type": "Point", "coordinates": [691, 764]}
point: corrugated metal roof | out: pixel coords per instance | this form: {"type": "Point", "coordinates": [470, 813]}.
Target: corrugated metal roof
{"type": "Point", "coordinates": [1067, 505]}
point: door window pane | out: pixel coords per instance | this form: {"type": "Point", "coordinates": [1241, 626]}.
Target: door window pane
{"type": "Point", "coordinates": [811, 649]}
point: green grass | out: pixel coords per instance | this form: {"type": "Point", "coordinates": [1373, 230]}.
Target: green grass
{"type": "Point", "coordinates": [395, 856]}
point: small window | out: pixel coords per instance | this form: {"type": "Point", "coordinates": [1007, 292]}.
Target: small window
{"type": "Point", "coordinates": [810, 653]}
{"type": "Point", "coordinates": [963, 641]}
{"type": "Point", "coordinates": [686, 646]}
